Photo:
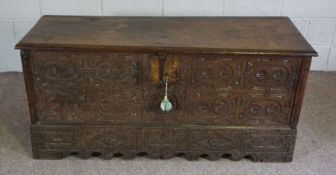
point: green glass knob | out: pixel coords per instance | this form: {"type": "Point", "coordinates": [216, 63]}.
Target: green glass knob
{"type": "Point", "coordinates": [166, 105]}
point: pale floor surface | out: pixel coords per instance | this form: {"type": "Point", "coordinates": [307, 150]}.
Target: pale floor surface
{"type": "Point", "coordinates": [315, 151]}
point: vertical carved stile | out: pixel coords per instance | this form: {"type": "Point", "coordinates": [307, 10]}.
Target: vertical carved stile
{"type": "Point", "coordinates": [301, 86]}
{"type": "Point", "coordinates": [27, 68]}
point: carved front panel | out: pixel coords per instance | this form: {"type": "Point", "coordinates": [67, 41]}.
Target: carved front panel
{"type": "Point", "coordinates": [105, 88]}
{"type": "Point", "coordinates": [241, 91]}
{"type": "Point", "coordinates": [87, 87]}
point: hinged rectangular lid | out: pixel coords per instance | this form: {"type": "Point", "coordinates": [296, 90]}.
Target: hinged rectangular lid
{"type": "Point", "coordinates": [228, 35]}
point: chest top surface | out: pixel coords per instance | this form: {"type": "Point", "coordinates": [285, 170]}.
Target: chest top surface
{"type": "Point", "coordinates": [224, 35]}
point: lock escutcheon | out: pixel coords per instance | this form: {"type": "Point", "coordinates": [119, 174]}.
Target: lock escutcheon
{"type": "Point", "coordinates": [164, 70]}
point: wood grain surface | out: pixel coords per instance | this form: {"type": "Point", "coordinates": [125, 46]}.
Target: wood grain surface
{"type": "Point", "coordinates": [231, 35]}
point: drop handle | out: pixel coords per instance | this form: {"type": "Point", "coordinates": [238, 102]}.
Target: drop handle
{"type": "Point", "coordinates": [166, 105]}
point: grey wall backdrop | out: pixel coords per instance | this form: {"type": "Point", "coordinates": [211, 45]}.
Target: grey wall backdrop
{"type": "Point", "coordinates": [316, 19]}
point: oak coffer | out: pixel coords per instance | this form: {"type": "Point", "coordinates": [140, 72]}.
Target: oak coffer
{"type": "Point", "coordinates": [160, 87]}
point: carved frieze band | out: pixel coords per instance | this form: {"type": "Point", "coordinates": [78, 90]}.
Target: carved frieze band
{"type": "Point", "coordinates": [164, 139]}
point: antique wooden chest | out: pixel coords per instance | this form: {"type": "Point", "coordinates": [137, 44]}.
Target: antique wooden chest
{"type": "Point", "coordinates": [160, 87]}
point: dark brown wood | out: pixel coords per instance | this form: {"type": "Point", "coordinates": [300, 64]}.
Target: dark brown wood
{"type": "Point", "coordinates": [101, 97]}
{"type": "Point", "coordinates": [230, 35]}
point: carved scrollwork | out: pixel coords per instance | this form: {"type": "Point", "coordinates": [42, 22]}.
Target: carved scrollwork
{"type": "Point", "coordinates": [258, 92]}
{"type": "Point", "coordinates": [271, 75]}
{"type": "Point", "coordinates": [272, 72]}
{"type": "Point", "coordinates": [110, 138]}
{"type": "Point", "coordinates": [56, 106]}
{"type": "Point", "coordinates": [211, 71]}
{"type": "Point", "coordinates": [110, 71]}
{"type": "Point", "coordinates": [265, 108]}
{"type": "Point", "coordinates": [114, 104]}
{"type": "Point", "coordinates": [59, 71]}
{"type": "Point", "coordinates": [217, 107]}
{"type": "Point", "coordinates": [87, 87]}
{"type": "Point", "coordinates": [213, 140]}
{"type": "Point", "coordinates": [221, 106]}
{"type": "Point", "coordinates": [267, 141]}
